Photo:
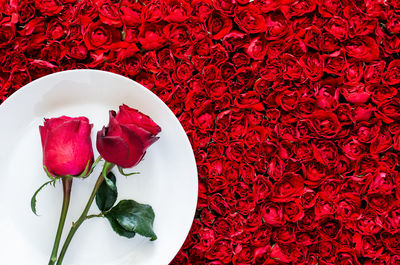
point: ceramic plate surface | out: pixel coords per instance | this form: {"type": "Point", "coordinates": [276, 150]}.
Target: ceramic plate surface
{"type": "Point", "coordinates": [167, 179]}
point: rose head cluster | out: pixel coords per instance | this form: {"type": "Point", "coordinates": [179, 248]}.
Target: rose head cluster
{"type": "Point", "coordinates": [292, 108]}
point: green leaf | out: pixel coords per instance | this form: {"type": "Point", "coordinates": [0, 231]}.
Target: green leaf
{"type": "Point", "coordinates": [134, 217]}
{"type": "Point", "coordinates": [105, 196]}
{"type": "Point", "coordinates": [121, 170]}
{"type": "Point", "coordinates": [33, 200]}
{"type": "Point", "coordinates": [119, 229]}
{"type": "Point", "coordinates": [107, 166]}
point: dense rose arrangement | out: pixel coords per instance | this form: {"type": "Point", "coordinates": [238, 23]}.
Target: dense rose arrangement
{"type": "Point", "coordinates": [68, 154]}
{"type": "Point", "coordinates": [292, 108]}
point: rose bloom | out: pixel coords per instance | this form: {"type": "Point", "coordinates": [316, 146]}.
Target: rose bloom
{"type": "Point", "coordinates": [67, 146]}
{"type": "Point", "coordinates": [128, 135]}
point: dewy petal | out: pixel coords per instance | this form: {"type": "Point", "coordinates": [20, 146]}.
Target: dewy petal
{"type": "Point", "coordinates": [127, 115]}
{"type": "Point", "coordinates": [113, 149]}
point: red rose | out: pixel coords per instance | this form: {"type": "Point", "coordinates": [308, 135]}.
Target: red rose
{"type": "Point", "coordinates": [391, 44]}
{"type": "Point", "coordinates": [109, 13]}
{"type": "Point", "coordinates": [329, 44]}
{"type": "Point", "coordinates": [197, 30]}
{"type": "Point", "coordinates": [292, 211]}
{"type": "Point", "coordinates": [368, 246]}
{"type": "Point", "coordinates": [54, 52]}
{"type": "Point", "coordinates": [356, 94]}
{"type": "Point", "coordinates": [392, 219]}
{"type": "Point", "coordinates": [294, 8]}
{"type": "Point", "coordinates": [393, 25]}
{"type": "Point", "coordinates": [346, 257]}
{"type": "Point", "coordinates": [330, 228]}
{"type": "Point", "coordinates": [312, 37]}
{"type": "Point", "coordinates": [326, 249]}
{"type": "Point", "coordinates": [325, 124]}
{"type": "Point", "coordinates": [86, 11]}
{"type": "Point", "coordinates": [272, 214]}
{"type": "Point", "coordinates": [285, 253]}
{"type": "Point", "coordinates": [250, 19]}
{"type": "Point", "coordinates": [267, 5]}
{"type": "Point", "coordinates": [313, 66]}
{"type": "Point", "coordinates": [67, 146]}
{"type": "Point", "coordinates": [49, 8]}
{"type": "Point", "coordinates": [373, 72]}
{"type": "Point", "coordinates": [388, 111]}
{"type": "Point", "coordinates": [383, 93]}
{"type": "Point", "coordinates": [243, 255]}
{"type": "Point", "coordinates": [218, 204]}
{"type": "Point", "coordinates": [177, 10]}
{"type": "Point", "coordinates": [100, 36]}
{"type": "Point", "coordinates": [335, 63]}
{"type": "Point", "coordinates": [18, 78]}
{"type": "Point", "coordinates": [363, 112]}
{"type": "Point", "coordinates": [26, 11]}
{"type": "Point", "coordinates": [39, 68]}
{"type": "Point", "coordinates": [127, 137]}
{"type": "Point", "coordinates": [55, 30]}
{"type": "Point", "coordinates": [382, 143]}
{"type": "Point", "coordinates": [219, 25]}
{"type": "Point", "coordinates": [202, 9]}
{"type": "Point", "coordinates": [338, 27]}
{"type": "Point", "coordinates": [392, 75]}
{"type": "Point", "coordinates": [131, 14]}
{"type": "Point", "coordinates": [363, 48]}
{"type": "Point", "coordinates": [368, 223]}
{"type": "Point", "coordinates": [177, 34]}
{"type": "Point", "coordinates": [220, 250]}
{"type": "Point", "coordinates": [182, 72]}
{"type": "Point", "coordinates": [153, 12]}
{"type": "Point", "coordinates": [353, 71]}
{"type": "Point", "coordinates": [314, 173]}
{"type": "Point", "coordinates": [277, 27]}
{"type": "Point", "coordinates": [151, 36]}
{"type": "Point", "coordinates": [289, 187]}
{"type": "Point", "coordinates": [391, 242]}
{"type": "Point", "coordinates": [291, 69]}
{"type": "Point", "coordinates": [257, 48]}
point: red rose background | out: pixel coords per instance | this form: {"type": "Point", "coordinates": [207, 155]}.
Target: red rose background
{"type": "Point", "coordinates": [291, 106]}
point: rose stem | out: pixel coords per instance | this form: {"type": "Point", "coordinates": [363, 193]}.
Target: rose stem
{"type": "Point", "coordinates": [67, 185]}
{"type": "Point", "coordinates": [107, 168]}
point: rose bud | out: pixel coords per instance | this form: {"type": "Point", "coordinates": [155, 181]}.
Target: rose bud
{"type": "Point", "coordinates": [128, 135]}
{"type": "Point", "coordinates": [67, 146]}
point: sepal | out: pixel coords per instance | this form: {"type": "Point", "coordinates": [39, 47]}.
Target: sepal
{"type": "Point", "coordinates": [121, 170]}
{"type": "Point", "coordinates": [33, 200]}
{"type": "Point", "coordinates": [107, 166]}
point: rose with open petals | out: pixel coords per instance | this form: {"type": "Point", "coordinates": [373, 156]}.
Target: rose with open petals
{"type": "Point", "coordinates": [128, 135]}
{"type": "Point", "coordinates": [67, 147]}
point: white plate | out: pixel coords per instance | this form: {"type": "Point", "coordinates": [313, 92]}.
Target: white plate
{"type": "Point", "coordinates": [167, 180]}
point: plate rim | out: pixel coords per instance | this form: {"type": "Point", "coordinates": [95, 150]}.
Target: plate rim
{"type": "Point", "coordinates": [10, 99]}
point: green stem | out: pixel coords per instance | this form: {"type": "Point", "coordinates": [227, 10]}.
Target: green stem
{"type": "Point", "coordinates": [107, 168]}
{"type": "Point", "coordinates": [67, 185]}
